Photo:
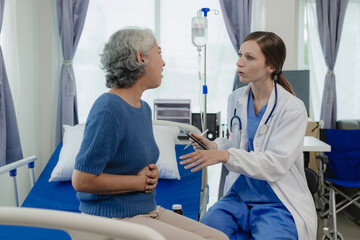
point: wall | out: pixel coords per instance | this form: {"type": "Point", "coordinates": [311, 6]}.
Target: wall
{"type": "Point", "coordinates": [36, 96]}
{"type": "Point", "coordinates": [281, 17]}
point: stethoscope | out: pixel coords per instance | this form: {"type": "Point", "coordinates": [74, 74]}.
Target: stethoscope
{"type": "Point", "coordinates": [263, 128]}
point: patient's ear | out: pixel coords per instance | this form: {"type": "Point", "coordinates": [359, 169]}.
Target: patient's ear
{"type": "Point", "coordinates": [140, 57]}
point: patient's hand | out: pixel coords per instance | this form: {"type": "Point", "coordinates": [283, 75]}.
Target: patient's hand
{"type": "Point", "coordinates": [148, 178]}
{"type": "Point", "coordinates": [153, 177]}
{"type": "Point", "coordinates": [142, 176]}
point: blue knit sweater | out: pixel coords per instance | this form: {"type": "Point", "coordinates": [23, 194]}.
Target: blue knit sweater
{"type": "Point", "coordinates": [118, 139]}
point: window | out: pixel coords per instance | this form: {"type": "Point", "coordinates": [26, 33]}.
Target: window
{"type": "Point", "coordinates": [174, 36]}
{"type": "Point", "coordinates": [102, 20]}
{"type": "Point", "coordinates": [346, 66]}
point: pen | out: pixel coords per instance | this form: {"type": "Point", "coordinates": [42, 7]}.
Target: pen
{"type": "Point", "coordinates": [202, 134]}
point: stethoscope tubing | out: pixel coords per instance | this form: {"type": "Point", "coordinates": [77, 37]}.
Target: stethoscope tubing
{"type": "Point", "coordinates": [267, 119]}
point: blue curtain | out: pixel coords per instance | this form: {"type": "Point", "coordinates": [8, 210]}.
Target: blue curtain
{"type": "Point", "coordinates": [330, 16]}
{"type": "Point", "coordinates": [237, 17]}
{"type": "Point", "coordinates": [10, 146]}
{"type": "Point", "coordinates": [71, 18]}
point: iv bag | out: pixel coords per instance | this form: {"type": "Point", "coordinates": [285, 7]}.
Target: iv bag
{"type": "Point", "coordinates": [199, 31]}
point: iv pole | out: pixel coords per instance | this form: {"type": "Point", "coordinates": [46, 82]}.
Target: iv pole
{"type": "Point", "coordinates": [202, 13]}
{"type": "Point", "coordinates": [204, 87]}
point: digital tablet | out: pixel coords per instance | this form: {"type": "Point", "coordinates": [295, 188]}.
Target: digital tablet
{"type": "Point", "coordinates": [194, 139]}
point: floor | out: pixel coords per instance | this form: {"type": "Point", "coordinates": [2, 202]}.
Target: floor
{"type": "Point", "coordinates": [348, 226]}
{"type": "Point", "coordinates": [349, 229]}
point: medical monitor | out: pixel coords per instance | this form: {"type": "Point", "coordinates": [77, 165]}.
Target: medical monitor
{"type": "Point", "coordinates": [300, 82]}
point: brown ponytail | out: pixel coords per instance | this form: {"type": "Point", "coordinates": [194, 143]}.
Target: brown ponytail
{"type": "Point", "coordinates": [274, 51]}
{"type": "Point", "coordinates": [281, 79]}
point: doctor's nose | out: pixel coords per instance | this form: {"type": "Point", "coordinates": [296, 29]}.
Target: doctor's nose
{"type": "Point", "coordinates": [240, 62]}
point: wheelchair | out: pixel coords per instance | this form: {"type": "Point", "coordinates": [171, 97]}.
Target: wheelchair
{"type": "Point", "coordinates": [338, 170]}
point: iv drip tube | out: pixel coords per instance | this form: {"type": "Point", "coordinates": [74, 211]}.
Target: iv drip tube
{"type": "Point", "coordinates": [205, 91]}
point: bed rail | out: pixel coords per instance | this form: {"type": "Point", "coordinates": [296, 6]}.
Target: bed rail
{"type": "Point", "coordinates": [78, 226]}
{"type": "Point", "coordinates": [12, 169]}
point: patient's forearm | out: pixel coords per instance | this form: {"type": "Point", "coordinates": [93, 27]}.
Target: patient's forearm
{"type": "Point", "coordinates": [107, 183]}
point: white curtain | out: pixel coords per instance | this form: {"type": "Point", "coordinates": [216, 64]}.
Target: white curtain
{"type": "Point", "coordinates": [181, 72]}
{"type": "Point", "coordinates": [317, 64]}
{"type": "Point", "coordinates": [258, 15]}
{"type": "Point", "coordinates": [347, 64]}
{"type": "Point", "coordinates": [103, 19]}
{"type": "Point", "coordinates": [9, 43]}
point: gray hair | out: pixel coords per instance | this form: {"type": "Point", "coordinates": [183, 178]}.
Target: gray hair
{"type": "Point", "coordinates": [119, 56]}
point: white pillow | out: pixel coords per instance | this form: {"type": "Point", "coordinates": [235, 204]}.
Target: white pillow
{"type": "Point", "coordinates": [73, 136]}
{"type": "Point", "coordinates": [165, 138]}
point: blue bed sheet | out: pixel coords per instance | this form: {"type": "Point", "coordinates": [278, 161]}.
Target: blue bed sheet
{"type": "Point", "coordinates": [52, 195]}
{"type": "Point", "coordinates": [62, 196]}
{"type": "Point", "coordinates": [185, 192]}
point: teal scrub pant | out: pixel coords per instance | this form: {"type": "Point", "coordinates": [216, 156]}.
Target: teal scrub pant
{"type": "Point", "coordinates": [239, 220]}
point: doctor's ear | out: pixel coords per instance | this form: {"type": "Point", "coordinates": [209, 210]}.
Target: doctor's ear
{"type": "Point", "coordinates": [271, 69]}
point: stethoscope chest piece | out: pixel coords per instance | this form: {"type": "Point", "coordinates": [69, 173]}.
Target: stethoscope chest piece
{"type": "Point", "coordinates": [263, 129]}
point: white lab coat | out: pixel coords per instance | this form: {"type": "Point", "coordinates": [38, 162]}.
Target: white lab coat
{"type": "Point", "coordinates": [277, 156]}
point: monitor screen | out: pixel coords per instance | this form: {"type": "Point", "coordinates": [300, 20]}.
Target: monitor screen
{"type": "Point", "coordinates": [299, 81]}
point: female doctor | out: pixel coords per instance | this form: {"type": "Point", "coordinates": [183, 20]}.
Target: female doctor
{"type": "Point", "coordinates": [270, 198]}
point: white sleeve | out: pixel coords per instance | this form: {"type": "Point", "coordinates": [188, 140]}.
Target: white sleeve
{"type": "Point", "coordinates": [223, 143]}
{"type": "Point", "coordinates": [283, 148]}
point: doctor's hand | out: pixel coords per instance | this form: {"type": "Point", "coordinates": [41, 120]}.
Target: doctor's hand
{"type": "Point", "coordinates": [209, 144]}
{"type": "Point", "coordinates": [203, 158]}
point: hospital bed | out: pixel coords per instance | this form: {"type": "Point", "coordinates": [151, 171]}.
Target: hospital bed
{"type": "Point", "coordinates": [191, 192]}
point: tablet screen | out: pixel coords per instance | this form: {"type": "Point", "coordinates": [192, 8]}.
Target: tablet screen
{"type": "Point", "coordinates": [194, 139]}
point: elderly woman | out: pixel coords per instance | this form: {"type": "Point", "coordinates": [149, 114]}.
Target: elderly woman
{"type": "Point", "coordinates": [115, 173]}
